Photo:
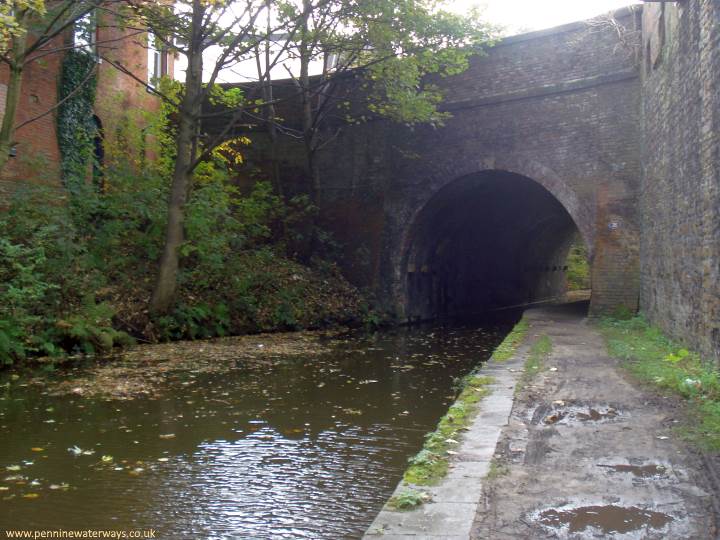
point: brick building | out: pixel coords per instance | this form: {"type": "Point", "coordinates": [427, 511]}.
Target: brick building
{"type": "Point", "coordinates": [119, 95]}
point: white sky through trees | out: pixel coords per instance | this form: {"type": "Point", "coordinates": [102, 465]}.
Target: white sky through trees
{"type": "Point", "coordinates": [515, 16]}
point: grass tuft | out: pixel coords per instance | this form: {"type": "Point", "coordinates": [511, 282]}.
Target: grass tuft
{"type": "Point", "coordinates": [539, 352]}
{"type": "Point", "coordinates": [509, 345]}
{"type": "Point", "coordinates": [497, 469]}
{"type": "Point", "coordinates": [653, 357]}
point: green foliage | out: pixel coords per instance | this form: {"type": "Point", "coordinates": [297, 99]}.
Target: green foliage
{"type": "Point", "coordinates": [45, 305]}
{"type": "Point", "coordinates": [512, 341]}
{"type": "Point", "coordinates": [75, 126]}
{"type": "Point", "coordinates": [622, 313]}
{"type": "Point", "coordinates": [655, 358]}
{"type": "Point", "coordinates": [408, 499]}
{"type": "Point", "coordinates": [195, 322]}
{"type": "Point", "coordinates": [578, 272]}
{"type": "Point", "coordinates": [12, 23]}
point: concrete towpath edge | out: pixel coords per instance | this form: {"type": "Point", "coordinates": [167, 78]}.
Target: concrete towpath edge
{"type": "Point", "coordinates": [450, 512]}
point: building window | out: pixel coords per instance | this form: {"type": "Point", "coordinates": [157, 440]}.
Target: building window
{"type": "Point", "coordinates": [157, 60]}
{"type": "Point", "coordinates": [85, 33]}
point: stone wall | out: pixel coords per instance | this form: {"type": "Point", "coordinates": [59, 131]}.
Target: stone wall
{"type": "Point", "coordinates": [680, 247]}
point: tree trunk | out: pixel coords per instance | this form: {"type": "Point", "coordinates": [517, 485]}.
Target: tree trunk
{"type": "Point", "coordinates": [7, 130]}
{"type": "Point", "coordinates": [163, 296]}
{"type": "Point", "coordinates": [308, 124]}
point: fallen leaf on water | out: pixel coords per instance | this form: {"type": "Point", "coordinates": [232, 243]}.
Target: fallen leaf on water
{"type": "Point", "coordinates": [37, 449]}
{"type": "Point", "coordinates": [4, 488]}
{"type": "Point", "coordinates": [163, 459]}
{"type": "Point", "coordinates": [106, 459]}
{"type": "Point", "coordinates": [167, 436]}
{"type": "Point", "coordinates": [59, 486]}
{"type": "Point", "coordinates": [77, 451]}
{"type": "Point", "coordinates": [14, 478]}
{"type": "Point", "coordinates": [13, 467]}
{"type": "Point", "coordinates": [31, 496]}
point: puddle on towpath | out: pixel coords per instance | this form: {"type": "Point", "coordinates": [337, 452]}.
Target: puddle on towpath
{"type": "Point", "coordinates": [638, 471]}
{"type": "Point", "coordinates": [308, 446]}
{"type": "Point", "coordinates": [567, 412]}
{"type": "Point", "coordinates": [606, 519]}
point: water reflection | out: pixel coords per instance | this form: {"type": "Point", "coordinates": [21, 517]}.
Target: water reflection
{"type": "Point", "coordinates": [301, 448]}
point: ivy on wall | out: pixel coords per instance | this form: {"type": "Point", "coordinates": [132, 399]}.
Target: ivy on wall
{"type": "Point", "coordinates": [75, 125]}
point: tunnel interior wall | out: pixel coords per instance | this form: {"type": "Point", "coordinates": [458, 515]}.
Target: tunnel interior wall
{"type": "Point", "coordinates": [681, 183]}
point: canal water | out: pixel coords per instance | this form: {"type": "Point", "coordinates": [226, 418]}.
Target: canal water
{"type": "Point", "coordinates": [300, 447]}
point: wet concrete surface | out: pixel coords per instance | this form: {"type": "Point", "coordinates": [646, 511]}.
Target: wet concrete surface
{"type": "Point", "coordinates": [588, 453]}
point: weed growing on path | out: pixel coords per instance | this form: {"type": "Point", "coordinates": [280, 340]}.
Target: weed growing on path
{"type": "Point", "coordinates": [539, 352]}
{"type": "Point", "coordinates": [507, 348]}
{"type": "Point", "coordinates": [408, 499]}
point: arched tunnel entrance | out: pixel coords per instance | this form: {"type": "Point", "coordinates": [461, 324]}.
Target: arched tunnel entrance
{"type": "Point", "coordinates": [486, 241]}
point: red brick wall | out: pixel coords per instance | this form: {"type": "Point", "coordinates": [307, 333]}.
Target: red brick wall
{"type": "Point", "coordinates": [119, 99]}
{"type": "Point", "coordinates": [37, 149]}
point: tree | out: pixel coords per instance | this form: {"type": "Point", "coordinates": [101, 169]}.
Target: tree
{"type": "Point", "coordinates": [197, 29]}
{"type": "Point", "coordinates": [29, 31]}
{"type": "Point", "coordinates": [392, 46]}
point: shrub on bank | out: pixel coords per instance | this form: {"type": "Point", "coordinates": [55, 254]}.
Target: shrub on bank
{"type": "Point", "coordinates": [76, 272]}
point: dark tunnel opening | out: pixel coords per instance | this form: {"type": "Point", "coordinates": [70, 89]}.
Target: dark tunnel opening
{"type": "Point", "coordinates": [484, 243]}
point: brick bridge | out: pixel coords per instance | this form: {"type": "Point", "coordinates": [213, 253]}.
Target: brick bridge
{"type": "Point", "coordinates": [543, 145]}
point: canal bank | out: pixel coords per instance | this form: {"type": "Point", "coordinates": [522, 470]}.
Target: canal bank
{"type": "Point", "coordinates": [567, 448]}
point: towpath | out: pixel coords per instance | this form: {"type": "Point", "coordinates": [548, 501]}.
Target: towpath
{"type": "Point", "coordinates": [575, 451]}
{"type": "Point", "coordinates": [588, 453]}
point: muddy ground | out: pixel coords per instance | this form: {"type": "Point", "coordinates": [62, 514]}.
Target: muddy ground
{"type": "Point", "coordinates": [589, 453]}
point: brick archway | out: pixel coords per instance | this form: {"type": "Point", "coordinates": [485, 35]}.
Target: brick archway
{"type": "Point", "coordinates": [527, 244]}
